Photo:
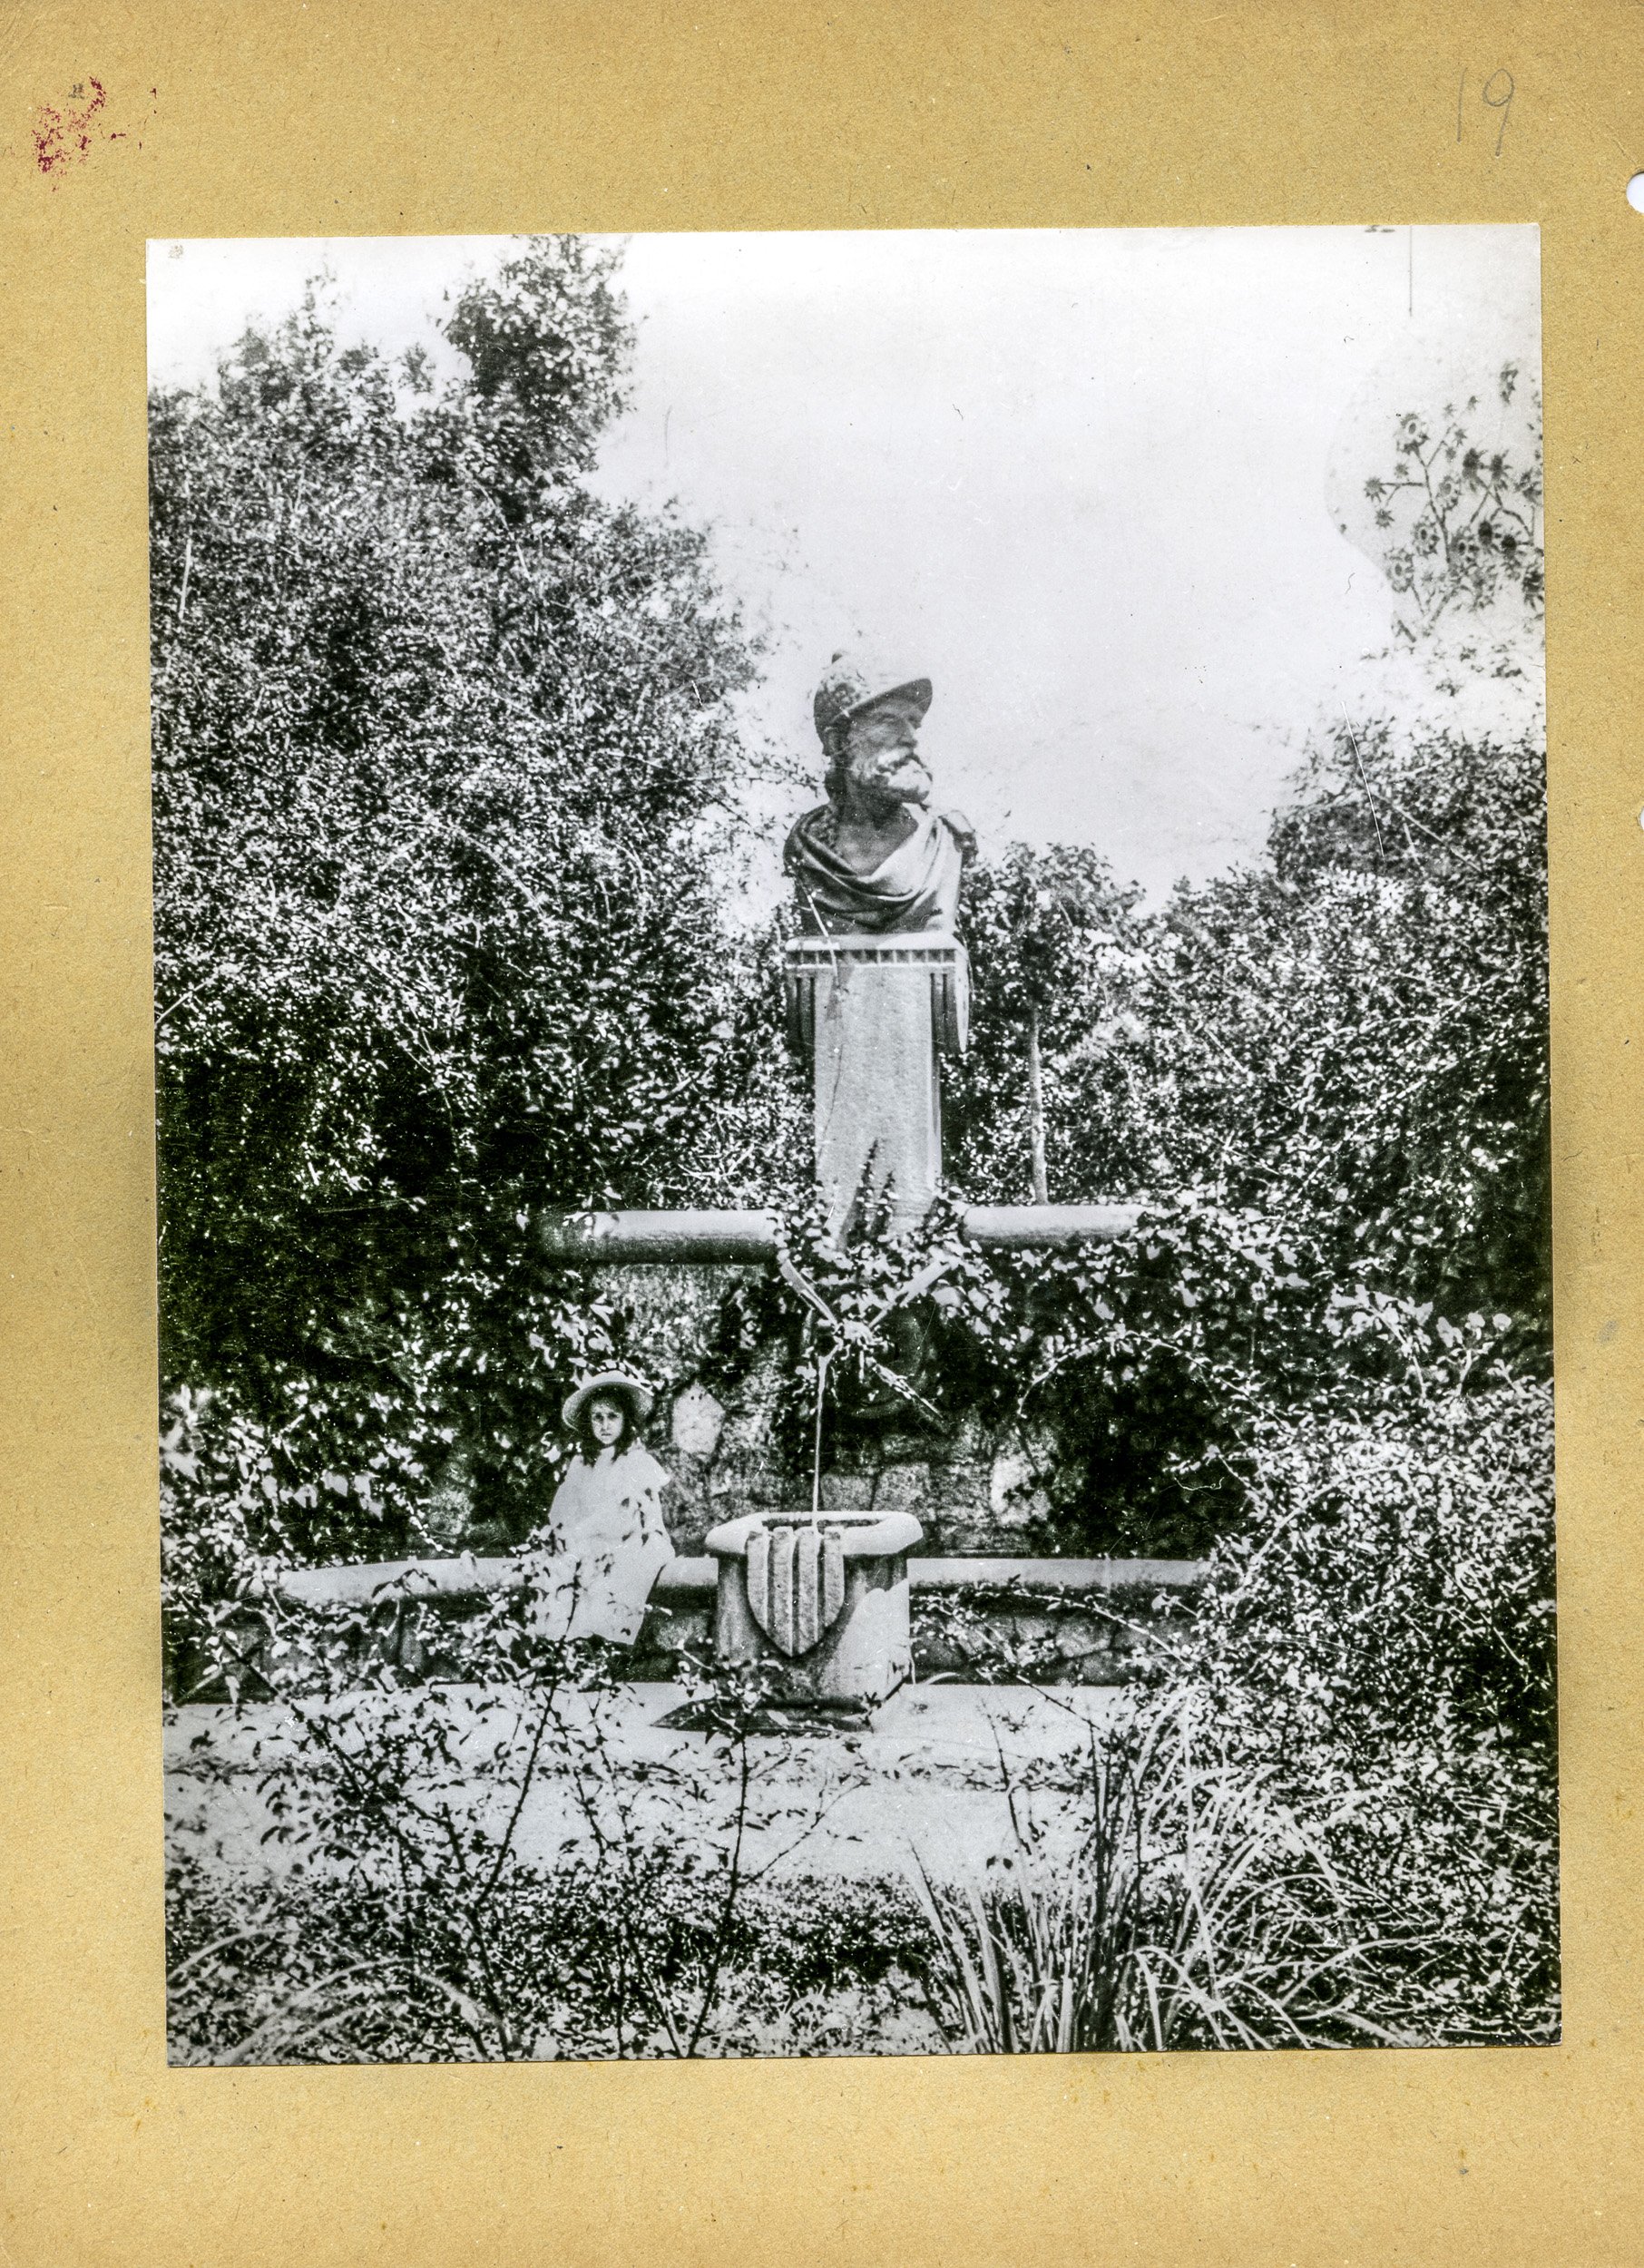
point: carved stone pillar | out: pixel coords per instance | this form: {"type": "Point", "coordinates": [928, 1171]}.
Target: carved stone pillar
{"type": "Point", "coordinates": [876, 1013]}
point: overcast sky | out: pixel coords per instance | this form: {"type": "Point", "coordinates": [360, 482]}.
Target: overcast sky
{"type": "Point", "coordinates": [1086, 481]}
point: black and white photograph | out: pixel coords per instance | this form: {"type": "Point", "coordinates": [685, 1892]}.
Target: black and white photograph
{"type": "Point", "coordinates": [851, 1025]}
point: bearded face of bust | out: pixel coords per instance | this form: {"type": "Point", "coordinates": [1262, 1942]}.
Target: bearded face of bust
{"type": "Point", "coordinates": [874, 763]}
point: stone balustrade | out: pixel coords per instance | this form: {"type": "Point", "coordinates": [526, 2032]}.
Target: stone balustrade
{"type": "Point", "coordinates": [635, 1238]}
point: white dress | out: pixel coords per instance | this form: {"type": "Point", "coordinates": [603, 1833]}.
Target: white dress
{"type": "Point", "coordinates": [593, 1563]}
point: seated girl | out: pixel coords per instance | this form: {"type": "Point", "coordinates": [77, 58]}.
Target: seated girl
{"type": "Point", "coordinates": [592, 1564]}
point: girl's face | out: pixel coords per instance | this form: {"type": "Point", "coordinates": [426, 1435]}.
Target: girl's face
{"type": "Point", "coordinates": [606, 1419]}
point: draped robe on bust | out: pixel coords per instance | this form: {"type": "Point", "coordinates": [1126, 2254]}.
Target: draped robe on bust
{"type": "Point", "coordinates": [914, 887]}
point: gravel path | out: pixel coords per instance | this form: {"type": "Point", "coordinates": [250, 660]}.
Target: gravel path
{"type": "Point", "coordinates": [925, 1780]}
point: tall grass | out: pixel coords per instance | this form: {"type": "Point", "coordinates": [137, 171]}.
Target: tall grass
{"type": "Point", "coordinates": [1194, 1911]}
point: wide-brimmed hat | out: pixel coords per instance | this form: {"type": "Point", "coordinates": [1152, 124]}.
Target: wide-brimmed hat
{"type": "Point", "coordinates": [640, 1396]}
{"type": "Point", "coordinates": [850, 687]}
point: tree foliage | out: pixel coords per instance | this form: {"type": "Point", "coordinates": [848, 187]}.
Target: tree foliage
{"type": "Point", "coordinates": [1460, 520]}
{"type": "Point", "coordinates": [444, 765]}
{"type": "Point", "coordinates": [1055, 946]}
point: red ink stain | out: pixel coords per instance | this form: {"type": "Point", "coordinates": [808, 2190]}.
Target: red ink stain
{"type": "Point", "coordinates": [64, 137]}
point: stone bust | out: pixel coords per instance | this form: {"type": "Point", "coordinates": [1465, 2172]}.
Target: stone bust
{"type": "Point", "coordinates": [876, 857]}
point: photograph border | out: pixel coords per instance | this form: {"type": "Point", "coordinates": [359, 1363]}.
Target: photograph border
{"type": "Point", "coordinates": [360, 118]}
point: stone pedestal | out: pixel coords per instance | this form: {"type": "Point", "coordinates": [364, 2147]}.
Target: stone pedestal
{"type": "Point", "coordinates": [826, 1598]}
{"type": "Point", "coordinates": [876, 1013]}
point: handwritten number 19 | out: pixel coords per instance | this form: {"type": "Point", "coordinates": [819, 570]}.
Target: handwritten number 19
{"type": "Point", "coordinates": [1496, 94]}
{"type": "Point", "coordinates": [1500, 99]}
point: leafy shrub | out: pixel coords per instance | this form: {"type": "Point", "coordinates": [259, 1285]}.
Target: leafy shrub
{"type": "Point", "coordinates": [1377, 1642]}
{"type": "Point", "coordinates": [1329, 1814]}
{"type": "Point", "coordinates": [407, 1923]}
{"type": "Point", "coordinates": [309, 1969]}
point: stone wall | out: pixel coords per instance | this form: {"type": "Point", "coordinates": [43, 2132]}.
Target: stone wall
{"type": "Point", "coordinates": [972, 1489]}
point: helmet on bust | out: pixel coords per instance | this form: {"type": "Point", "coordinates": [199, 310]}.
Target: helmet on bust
{"type": "Point", "coordinates": [852, 684]}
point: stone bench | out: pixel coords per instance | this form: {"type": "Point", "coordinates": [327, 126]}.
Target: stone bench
{"type": "Point", "coordinates": [1086, 1621]}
